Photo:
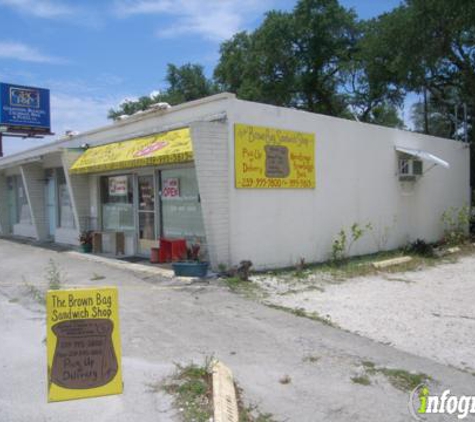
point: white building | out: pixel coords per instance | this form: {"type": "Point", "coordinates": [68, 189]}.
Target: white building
{"type": "Point", "coordinates": [251, 181]}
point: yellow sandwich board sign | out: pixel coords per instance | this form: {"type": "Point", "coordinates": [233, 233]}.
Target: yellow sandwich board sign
{"type": "Point", "coordinates": [268, 158]}
{"type": "Point", "coordinates": [83, 343]}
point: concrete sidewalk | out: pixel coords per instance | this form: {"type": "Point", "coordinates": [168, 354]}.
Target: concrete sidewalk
{"type": "Point", "coordinates": [164, 321]}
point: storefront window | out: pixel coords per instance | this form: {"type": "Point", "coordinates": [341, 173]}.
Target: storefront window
{"type": "Point", "coordinates": [23, 216]}
{"type": "Point", "coordinates": [66, 216]}
{"type": "Point", "coordinates": [117, 203]}
{"type": "Point", "coordinates": [12, 198]}
{"type": "Point", "coordinates": [181, 205]}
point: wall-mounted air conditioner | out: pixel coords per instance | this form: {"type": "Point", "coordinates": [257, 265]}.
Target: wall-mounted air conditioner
{"type": "Point", "coordinates": [409, 168]}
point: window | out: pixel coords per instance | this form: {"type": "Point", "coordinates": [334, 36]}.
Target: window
{"type": "Point", "coordinates": [181, 207]}
{"type": "Point", "coordinates": [66, 216]}
{"type": "Point", "coordinates": [117, 203]}
{"type": "Point", "coordinates": [23, 215]}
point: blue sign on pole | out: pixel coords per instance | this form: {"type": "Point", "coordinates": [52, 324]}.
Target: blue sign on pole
{"type": "Point", "coordinates": [24, 108]}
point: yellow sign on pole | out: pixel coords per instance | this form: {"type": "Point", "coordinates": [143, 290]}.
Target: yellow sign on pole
{"type": "Point", "coordinates": [83, 343]}
{"type": "Point", "coordinates": [273, 158]}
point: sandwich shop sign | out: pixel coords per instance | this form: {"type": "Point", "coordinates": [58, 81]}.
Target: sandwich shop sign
{"type": "Point", "coordinates": [83, 343]}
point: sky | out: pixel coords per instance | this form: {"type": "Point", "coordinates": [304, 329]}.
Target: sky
{"type": "Point", "coordinates": [93, 54]}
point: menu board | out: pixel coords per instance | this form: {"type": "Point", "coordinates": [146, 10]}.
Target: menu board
{"type": "Point", "coordinates": [267, 158]}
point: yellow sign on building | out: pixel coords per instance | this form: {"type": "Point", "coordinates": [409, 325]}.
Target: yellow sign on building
{"type": "Point", "coordinates": [163, 148]}
{"type": "Point", "coordinates": [273, 158]}
{"type": "Point", "coordinates": [83, 343]}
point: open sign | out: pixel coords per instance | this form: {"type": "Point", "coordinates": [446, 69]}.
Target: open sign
{"type": "Point", "coordinates": [171, 188]}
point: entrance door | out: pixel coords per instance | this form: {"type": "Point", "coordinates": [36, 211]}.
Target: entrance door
{"type": "Point", "coordinates": [50, 201]}
{"type": "Point", "coordinates": [146, 215]}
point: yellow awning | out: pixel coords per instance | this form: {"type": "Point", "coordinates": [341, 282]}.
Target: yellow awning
{"type": "Point", "coordinates": [165, 148]}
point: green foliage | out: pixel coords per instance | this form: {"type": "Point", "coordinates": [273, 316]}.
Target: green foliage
{"type": "Point", "coordinates": [54, 276]}
{"type": "Point", "coordinates": [456, 222]}
{"type": "Point", "coordinates": [398, 378]}
{"type": "Point", "coordinates": [192, 387]}
{"type": "Point", "coordinates": [185, 83]}
{"type": "Point", "coordinates": [293, 59]}
{"type": "Point", "coordinates": [362, 380]}
{"type": "Point", "coordinates": [343, 243]}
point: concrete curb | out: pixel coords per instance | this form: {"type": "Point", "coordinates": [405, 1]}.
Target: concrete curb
{"type": "Point", "coordinates": [224, 394]}
{"type": "Point", "coordinates": [145, 269]}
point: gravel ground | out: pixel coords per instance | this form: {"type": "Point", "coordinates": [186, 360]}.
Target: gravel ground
{"type": "Point", "coordinates": [429, 312]}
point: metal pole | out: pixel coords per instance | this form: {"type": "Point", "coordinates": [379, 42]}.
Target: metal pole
{"type": "Point", "coordinates": [1, 145]}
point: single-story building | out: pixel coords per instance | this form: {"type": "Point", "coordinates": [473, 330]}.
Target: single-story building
{"type": "Point", "coordinates": [250, 181]}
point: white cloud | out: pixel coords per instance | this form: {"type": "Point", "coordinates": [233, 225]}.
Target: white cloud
{"type": "Point", "coordinates": [18, 51]}
{"type": "Point", "coordinates": [213, 19]}
{"type": "Point", "coordinates": [40, 8]}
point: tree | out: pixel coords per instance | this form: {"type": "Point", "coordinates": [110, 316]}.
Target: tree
{"type": "Point", "coordinates": [428, 46]}
{"type": "Point", "coordinates": [293, 59]}
{"type": "Point", "coordinates": [185, 83]}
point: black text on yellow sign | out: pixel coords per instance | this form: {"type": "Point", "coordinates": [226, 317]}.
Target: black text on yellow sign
{"type": "Point", "coordinates": [83, 343]}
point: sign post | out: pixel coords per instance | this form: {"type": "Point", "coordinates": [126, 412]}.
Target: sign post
{"type": "Point", "coordinates": [83, 343]}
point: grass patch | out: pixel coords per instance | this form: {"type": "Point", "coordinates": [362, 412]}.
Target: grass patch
{"type": "Point", "coordinates": [403, 380]}
{"type": "Point", "coordinates": [359, 266]}
{"type": "Point", "coordinates": [399, 378]}
{"type": "Point", "coordinates": [13, 300]}
{"type": "Point", "coordinates": [191, 386]}
{"type": "Point", "coordinates": [362, 380]}
{"type": "Point", "coordinates": [302, 313]}
{"type": "Point", "coordinates": [247, 288]}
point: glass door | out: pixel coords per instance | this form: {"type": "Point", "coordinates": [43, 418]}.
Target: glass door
{"type": "Point", "coordinates": [50, 200]}
{"type": "Point", "coordinates": [146, 215]}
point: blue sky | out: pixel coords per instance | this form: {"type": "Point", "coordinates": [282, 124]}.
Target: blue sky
{"type": "Point", "coordinates": [93, 54]}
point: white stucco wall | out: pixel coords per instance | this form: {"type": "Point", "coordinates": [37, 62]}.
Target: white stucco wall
{"type": "Point", "coordinates": [356, 181]}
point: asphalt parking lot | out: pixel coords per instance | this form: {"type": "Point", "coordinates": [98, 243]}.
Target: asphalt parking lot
{"type": "Point", "coordinates": [166, 321]}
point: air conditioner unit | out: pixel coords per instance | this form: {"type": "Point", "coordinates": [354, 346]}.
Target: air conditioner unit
{"type": "Point", "coordinates": [410, 168]}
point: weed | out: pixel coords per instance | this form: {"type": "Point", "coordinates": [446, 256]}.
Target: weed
{"type": "Point", "coordinates": [399, 378]}
{"type": "Point", "coordinates": [403, 380]}
{"type": "Point", "coordinates": [456, 223]}
{"type": "Point", "coordinates": [302, 313]}
{"type": "Point", "coordinates": [192, 387]}
{"type": "Point", "coordinates": [97, 277]}
{"type": "Point", "coordinates": [362, 380]}
{"type": "Point", "coordinates": [54, 276]}
{"type": "Point", "coordinates": [341, 247]}
{"type": "Point", "coordinates": [33, 291]}
{"type": "Point", "coordinates": [13, 300]}
{"type": "Point", "coordinates": [311, 358]}
{"type": "Point", "coordinates": [246, 288]}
